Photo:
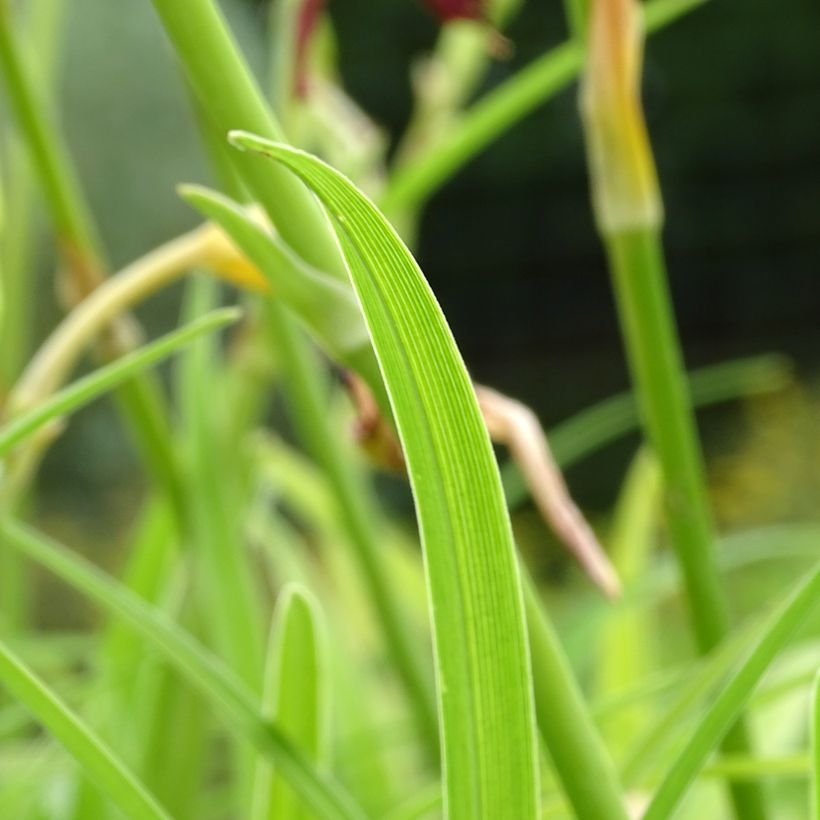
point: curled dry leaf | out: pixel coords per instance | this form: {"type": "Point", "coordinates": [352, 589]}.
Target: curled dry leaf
{"type": "Point", "coordinates": [515, 426]}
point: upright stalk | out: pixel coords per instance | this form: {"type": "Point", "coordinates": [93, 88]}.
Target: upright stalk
{"type": "Point", "coordinates": [81, 249]}
{"type": "Point", "coordinates": [229, 96]}
{"type": "Point", "coordinates": [581, 759]}
{"type": "Point", "coordinates": [629, 214]}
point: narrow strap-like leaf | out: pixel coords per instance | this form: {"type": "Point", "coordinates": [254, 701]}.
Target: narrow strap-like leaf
{"type": "Point", "coordinates": [721, 715]}
{"type": "Point", "coordinates": [199, 668]}
{"type": "Point", "coordinates": [295, 696]}
{"type": "Point", "coordinates": [484, 683]}
{"type": "Point", "coordinates": [105, 378]}
{"type": "Point", "coordinates": [98, 762]}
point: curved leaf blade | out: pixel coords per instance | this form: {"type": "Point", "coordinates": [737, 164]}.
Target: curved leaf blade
{"type": "Point", "coordinates": [105, 378]}
{"type": "Point", "coordinates": [721, 715]}
{"type": "Point", "coordinates": [194, 664]}
{"type": "Point", "coordinates": [98, 762]}
{"type": "Point", "coordinates": [296, 697]}
{"type": "Point", "coordinates": [482, 664]}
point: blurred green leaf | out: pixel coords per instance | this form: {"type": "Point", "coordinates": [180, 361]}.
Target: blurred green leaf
{"type": "Point", "coordinates": [95, 384]}
{"type": "Point", "coordinates": [296, 697]}
{"type": "Point", "coordinates": [97, 761]}
{"type": "Point", "coordinates": [201, 669]}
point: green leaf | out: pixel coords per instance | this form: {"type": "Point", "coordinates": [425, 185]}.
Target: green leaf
{"type": "Point", "coordinates": [324, 303]}
{"type": "Point", "coordinates": [98, 762]}
{"type": "Point", "coordinates": [89, 387]}
{"type": "Point", "coordinates": [202, 670]}
{"type": "Point", "coordinates": [295, 696]}
{"type": "Point", "coordinates": [484, 681]}
{"type": "Point", "coordinates": [722, 714]}
{"type": "Point", "coordinates": [815, 742]}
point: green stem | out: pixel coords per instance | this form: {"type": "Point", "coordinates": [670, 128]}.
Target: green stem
{"type": "Point", "coordinates": [648, 325]}
{"type": "Point", "coordinates": [576, 12]}
{"type": "Point", "coordinates": [499, 110]}
{"type": "Point", "coordinates": [49, 154]}
{"type": "Point", "coordinates": [218, 74]}
{"type": "Point", "coordinates": [232, 100]}
{"type": "Point", "coordinates": [357, 512]}
{"type": "Point", "coordinates": [565, 723]}
{"type": "Point", "coordinates": [141, 399]}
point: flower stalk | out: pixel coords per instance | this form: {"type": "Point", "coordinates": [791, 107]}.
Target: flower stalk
{"type": "Point", "coordinates": [629, 215]}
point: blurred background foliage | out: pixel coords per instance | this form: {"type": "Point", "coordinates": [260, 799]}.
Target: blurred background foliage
{"type": "Point", "coordinates": [733, 101]}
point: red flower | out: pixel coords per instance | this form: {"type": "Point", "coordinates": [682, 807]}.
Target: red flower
{"type": "Point", "coordinates": [447, 10]}
{"type": "Point", "coordinates": [309, 15]}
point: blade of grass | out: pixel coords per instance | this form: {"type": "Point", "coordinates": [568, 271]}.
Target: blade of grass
{"type": "Point", "coordinates": [194, 664]}
{"type": "Point", "coordinates": [722, 714]}
{"type": "Point", "coordinates": [485, 696]}
{"type": "Point", "coordinates": [815, 748]}
{"type": "Point", "coordinates": [98, 762]}
{"type": "Point", "coordinates": [105, 378]}
{"type": "Point", "coordinates": [296, 696]}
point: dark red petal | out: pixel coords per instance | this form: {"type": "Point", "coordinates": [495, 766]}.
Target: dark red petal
{"type": "Point", "coordinates": [456, 9]}
{"type": "Point", "coordinates": [309, 16]}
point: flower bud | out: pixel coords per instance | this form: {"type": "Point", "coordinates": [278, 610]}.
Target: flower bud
{"type": "Point", "coordinates": [622, 170]}
{"type": "Point", "coordinates": [447, 10]}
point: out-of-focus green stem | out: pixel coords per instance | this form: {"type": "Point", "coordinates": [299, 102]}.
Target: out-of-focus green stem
{"type": "Point", "coordinates": [648, 325]}
{"type": "Point", "coordinates": [576, 13]}
{"type": "Point", "coordinates": [50, 157]}
{"type": "Point", "coordinates": [358, 512]}
{"type": "Point", "coordinates": [581, 760]}
{"type": "Point", "coordinates": [636, 262]}
{"type": "Point", "coordinates": [140, 398]}
{"type": "Point", "coordinates": [499, 110]}
{"type": "Point", "coordinates": [43, 22]}
{"type": "Point", "coordinates": [217, 72]}
{"type": "Point", "coordinates": [629, 213]}
{"type": "Point", "coordinates": [226, 89]}
{"type": "Point", "coordinates": [232, 596]}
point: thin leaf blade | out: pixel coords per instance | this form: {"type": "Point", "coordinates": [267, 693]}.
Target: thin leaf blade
{"type": "Point", "coordinates": [198, 667]}
{"type": "Point", "coordinates": [105, 378]}
{"type": "Point", "coordinates": [98, 762]}
{"type": "Point", "coordinates": [483, 672]}
{"type": "Point", "coordinates": [721, 715]}
{"type": "Point", "coordinates": [295, 696]}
